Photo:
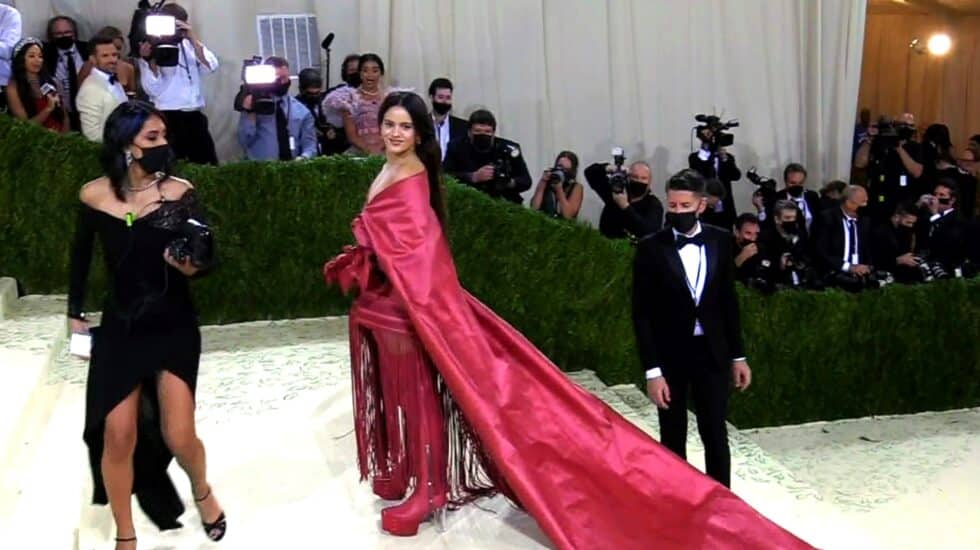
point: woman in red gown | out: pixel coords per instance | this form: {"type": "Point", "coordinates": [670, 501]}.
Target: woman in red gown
{"type": "Point", "coordinates": [453, 403]}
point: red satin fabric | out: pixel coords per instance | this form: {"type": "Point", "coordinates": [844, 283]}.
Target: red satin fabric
{"type": "Point", "coordinates": [589, 477]}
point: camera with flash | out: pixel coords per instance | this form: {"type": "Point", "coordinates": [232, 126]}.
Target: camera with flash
{"type": "Point", "coordinates": [161, 31]}
{"type": "Point", "coordinates": [260, 81]}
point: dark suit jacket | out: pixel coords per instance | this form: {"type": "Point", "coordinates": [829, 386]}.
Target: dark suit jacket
{"type": "Point", "coordinates": [664, 312]}
{"type": "Point", "coordinates": [948, 240]}
{"type": "Point", "coordinates": [462, 159]}
{"type": "Point", "coordinates": [727, 173]}
{"type": "Point", "coordinates": [828, 240]}
{"type": "Point", "coordinates": [458, 128]}
{"type": "Point", "coordinates": [51, 56]}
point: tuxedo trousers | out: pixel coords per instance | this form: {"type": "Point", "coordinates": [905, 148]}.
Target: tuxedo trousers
{"type": "Point", "coordinates": [699, 377]}
{"type": "Point", "coordinates": [188, 134]}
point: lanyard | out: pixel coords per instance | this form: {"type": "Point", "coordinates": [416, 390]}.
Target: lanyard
{"type": "Point", "coordinates": [697, 278]}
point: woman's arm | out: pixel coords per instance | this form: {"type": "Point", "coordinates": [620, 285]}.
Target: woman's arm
{"type": "Point", "coordinates": [571, 204]}
{"type": "Point", "coordinates": [538, 197]}
{"type": "Point", "coordinates": [18, 110]}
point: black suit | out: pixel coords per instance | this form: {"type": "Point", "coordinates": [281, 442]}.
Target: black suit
{"type": "Point", "coordinates": [948, 240]}
{"type": "Point", "coordinates": [726, 173]}
{"type": "Point", "coordinates": [462, 160]}
{"type": "Point", "coordinates": [828, 240]}
{"type": "Point", "coordinates": [51, 53]}
{"type": "Point", "coordinates": [641, 218]}
{"type": "Point", "coordinates": [664, 316]}
{"type": "Point", "coordinates": [458, 128]}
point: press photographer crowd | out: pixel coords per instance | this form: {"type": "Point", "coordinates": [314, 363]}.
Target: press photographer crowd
{"type": "Point", "coordinates": [909, 216]}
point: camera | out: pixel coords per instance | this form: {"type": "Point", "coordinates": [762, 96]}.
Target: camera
{"type": "Point", "coordinates": [930, 271]}
{"type": "Point", "coordinates": [619, 179]}
{"type": "Point", "coordinates": [259, 81]}
{"type": "Point", "coordinates": [195, 242]}
{"type": "Point", "coordinates": [557, 176]}
{"type": "Point", "coordinates": [719, 138]}
{"type": "Point", "coordinates": [160, 30]}
{"type": "Point", "coordinates": [764, 183]}
{"type": "Point", "coordinates": [890, 134]}
{"type": "Point", "coordinates": [503, 171]}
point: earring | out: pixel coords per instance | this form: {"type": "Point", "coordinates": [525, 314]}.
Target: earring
{"type": "Point", "coordinates": [129, 158]}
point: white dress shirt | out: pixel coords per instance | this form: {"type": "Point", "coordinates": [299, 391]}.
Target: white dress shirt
{"type": "Point", "coordinates": [854, 258]}
{"type": "Point", "coordinates": [695, 260]}
{"type": "Point", "coordinates": [10, 34]}
{"type": "Point", "coordinates": [805, 208]}
{"type": "Point", "coordinates": [178, 88]}
{"type": "Point", "coordinates": [96, 100]}
{"type": "Point", "coordinates": [442, 130]}
{"type": "Point", "coordinates": [61, 73]}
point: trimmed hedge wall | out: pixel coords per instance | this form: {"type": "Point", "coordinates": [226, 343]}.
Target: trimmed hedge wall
{"type": "Point", "coordinates": [815, 356]}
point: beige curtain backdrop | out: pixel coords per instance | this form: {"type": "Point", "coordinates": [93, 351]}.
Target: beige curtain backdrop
{"type": "Point", "coordinates": [937, 89]}
{"type": "Point", "coordinates": [583, 75]}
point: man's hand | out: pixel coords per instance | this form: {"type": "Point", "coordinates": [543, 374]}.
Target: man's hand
{"type": "Point", "coordinates": [182, 26]}
{"type": "Point", "coordinates": [908, 259]}
{"type": "Point", "coordinates": [146, 49]}
{"type": "Point", "coordinates": [759, 202]}
{"type": "Point", "coordinates": [658, 392]}
{"type": "Point", "coordinates": [861, 270]}
{"type": "Point", "coordinates": [483, 174]}
{"type": "Point", "coordinates": [750, 250]}
{"type": "Point", "coordinates": [621, 200]}
{"type": "Point", "coordinates": [78, 326]}
{"type": "Point", "coordinates": [742, 375]}
{"type": "Point", "coordinates": [248, 102]}
{"type": "Point", "coordinates": [786, 261]}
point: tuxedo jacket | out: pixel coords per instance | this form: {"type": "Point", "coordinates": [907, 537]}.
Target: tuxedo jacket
{"type": "Point", "coordinates": [50, 53]}
{"type": "Point", "coordinates": [95, 102]}
{"type": "Point", "coordinates": [828, 240]}
{"type": "Point", "coordinates": [664, 312]}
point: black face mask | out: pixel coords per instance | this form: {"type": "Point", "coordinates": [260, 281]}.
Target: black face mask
{"type": "Point", "coordinates": [353, 79]}
{"type": "Point", "coordinates": [945, 201]}
{"type": "Point", "coordinates": [683, 222]}
{"type": "Point", "coordinates": [795, 191]}
{"type": "Point", "coordinates": [281, 89]}
{"type": "Point", "coordinates": [637, 189]}
{"type": "Point", "coordinates": [64, 42]}
{"type": "Point", "coordinates": [157, 159]}
{"type": "Point", "coordinates": [482, 142]}
{"type": "Point", "coordinates": [790, 228]}
{"type": "Point", "coordinates": [905, 230]}
{"type": "Point", "coordinates": [442, 108]}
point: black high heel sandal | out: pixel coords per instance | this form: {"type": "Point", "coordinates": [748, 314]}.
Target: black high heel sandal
{"type": "Point", "coordinates": [216, 529]}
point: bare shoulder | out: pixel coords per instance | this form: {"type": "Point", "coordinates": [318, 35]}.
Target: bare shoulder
{"type": "Point", "coordinates": [174, 188]}
{"type": "Point", "coordinates": [95, 192]}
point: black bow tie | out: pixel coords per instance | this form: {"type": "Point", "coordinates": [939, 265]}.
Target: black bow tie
{"type": "Point", "coordinates": [113, 79]}
{"type": "Point", "coordinates": [683, 240]}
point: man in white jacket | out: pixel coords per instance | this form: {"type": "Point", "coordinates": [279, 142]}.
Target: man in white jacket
{"type": "Point", "coordinates": [101, 92]}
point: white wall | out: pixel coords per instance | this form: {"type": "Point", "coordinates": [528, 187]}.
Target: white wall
{"type": "Point", "coordinates": [580, 74]}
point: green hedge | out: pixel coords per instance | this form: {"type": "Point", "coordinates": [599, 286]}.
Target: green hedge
{"type": "Point", "coordinates": [815, 356]}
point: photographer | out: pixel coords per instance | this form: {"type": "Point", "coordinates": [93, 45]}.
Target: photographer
{"type": "Point", "coordinates": [631, 210]}
{"type": "Point", "coordinates": [176, 90]}
{"type": "Point", "coordinates": [751, 265]}
{"type": "Point", "coordinates": [842, 242]}
{"type": "Point", "coordinates": [335, 141]}
{"type": "Point", "coordinates": [893, 161]}
{"type": "Point", "coordinates": [939, 164]}
{"type": "Point", "coordinates": [830, 194]}
{"type": "Point", "coordinates": [712, 160]}
{"type": "Point", "coordinates": [558, 193]}
{"type": "Point", "coordinates": [492, 164]}
{"type": "Point", "coordinates": [311, 96]}
{"type": "Point", "coordinates": [286, 134]}
{"type": "Point", "coordinates": [946, 244]}
{"type": "Point", "coordinates": [786, 248]}
{"type": "Point", "coordinates": [896, 247]}
{"type": "Point", "coordinates": [795, 191]}
{"type": "Point", "coordinates": [714, 195]}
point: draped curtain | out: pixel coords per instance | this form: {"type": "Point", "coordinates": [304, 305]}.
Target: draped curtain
{"type": "Point", "coordinates": [583, 75]}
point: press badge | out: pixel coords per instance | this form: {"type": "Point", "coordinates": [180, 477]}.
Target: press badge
{"type": "Point", "coordinates": [292, 145]}
{"type": "Point", "coordinates": [903, 180]}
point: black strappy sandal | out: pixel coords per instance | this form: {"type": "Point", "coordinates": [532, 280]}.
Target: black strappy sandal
{"type": "Point", "coordinates": [216, 529]}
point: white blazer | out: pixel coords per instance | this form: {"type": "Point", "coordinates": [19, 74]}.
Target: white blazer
{"type": "Point", "coordinates": [96, 100]}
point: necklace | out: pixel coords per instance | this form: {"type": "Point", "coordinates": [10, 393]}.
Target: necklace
{"type": "Point", "coordinates": [132, 189]}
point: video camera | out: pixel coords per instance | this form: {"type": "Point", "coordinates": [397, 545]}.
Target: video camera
{"type": "Point", "coordinates": [259, 80]}
{"type": "Point", "coordinates": [503, 170]}
{"type": "Point", "coordinates": [619, 179]}
{"type": "Point", "coordinates": [151, 25]}
{"type": "Point", "coordinates": [890, 134]}
{"type": "Point", "coordinates": [719, 138]}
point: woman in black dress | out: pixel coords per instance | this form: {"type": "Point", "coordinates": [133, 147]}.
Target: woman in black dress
{"type": "Point", "coordinates": [145, 353]}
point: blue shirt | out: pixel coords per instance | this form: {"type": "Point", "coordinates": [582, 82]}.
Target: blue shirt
{"type": "Point", "coordinates": [259, 137]}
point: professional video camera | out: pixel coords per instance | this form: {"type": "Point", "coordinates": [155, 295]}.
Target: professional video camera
{"type": "Point", "coordinates": [160, 30]}
{"type": "Point", "coordinates": [890, 134]}
{"type": "Point", "coordinates": [719, 138]}
{"type": "Point", "coordinates": [195, 242]}
{"type": "Point", "coordinates": [503, 170]}
{"type": "Point", "coordinates": [619, 179]}
{"type": "Point", "coordinates": [259, 81]}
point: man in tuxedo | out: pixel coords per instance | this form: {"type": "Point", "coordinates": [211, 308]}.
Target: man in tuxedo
{"type": "Point", "coordinates": [448, 127]}
{"type": "Point", "coordinates": [101, 93]}
{"type": "Point", "coordinates": [947, 228]}
{"type": "Point", "coordinates": [807, 202]}
{"type": "Point", "coordinates": [64, 56]}
{"type": "Point", "coordinates": [715, 162]}
{"type": "Point", "coordinates": [842, 241]}
{"type": "Point", "coordinates": [685, 314]}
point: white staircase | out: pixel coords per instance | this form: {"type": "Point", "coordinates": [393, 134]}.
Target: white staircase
{"type": "Point", "coordinates": [274, 411]}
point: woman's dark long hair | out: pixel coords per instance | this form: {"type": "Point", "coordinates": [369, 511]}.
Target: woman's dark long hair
{"type": "Point", "coordinates": [427, 150]}
{"type": "Point", "coordinates": [936, 145]}
{"type": "Point", "coordinates": [121, 129]}
{"type": "Point", "coordinates": [18, 73]}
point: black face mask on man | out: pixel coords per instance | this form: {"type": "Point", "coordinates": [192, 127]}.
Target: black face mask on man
{"type": "Point", "coordinates": [64, 42]}
{"type": "Point", "coordinates": [637, 189]}
{"type": "Point", "coordinates": [683, 222]}
{"type": "Point", "coordinates": [353, 79]}
{"type": "Point", "coordinates": [795, 191]}
{"type": "Point", "coordinates": [482, 142]}
{"type": "Point", "coordinates": [157, 159]}
{"type": "Point", "coordinates": [441, 108]}
{"type": "Point", "coordinates": [790, 228]}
